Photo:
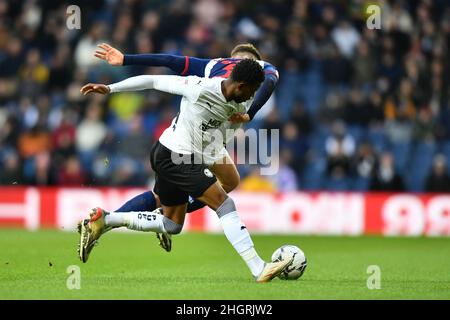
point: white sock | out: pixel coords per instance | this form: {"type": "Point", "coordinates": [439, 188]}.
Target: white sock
{"type": "Point", "coordinates": [136, 220]}
{"type": "Point", "coordinates": [238, 236]}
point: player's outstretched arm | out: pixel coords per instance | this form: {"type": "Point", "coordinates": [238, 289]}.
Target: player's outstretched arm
{"type": "Point", "coordinates": [130, 84]}
{"type": "Point", "coordinates": [183, 65]}
{"type": "Point", "coordinates": [184, 86]}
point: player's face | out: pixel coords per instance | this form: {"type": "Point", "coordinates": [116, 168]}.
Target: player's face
{"type": "Point", "coordinates": [244, 92]}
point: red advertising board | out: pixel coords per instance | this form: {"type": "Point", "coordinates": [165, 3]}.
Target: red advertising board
{"type": "Point", "coordinates": [321, 213]}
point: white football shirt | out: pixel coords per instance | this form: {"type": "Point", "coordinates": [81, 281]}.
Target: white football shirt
{"type": "Point", "coordinates": [201, 125]}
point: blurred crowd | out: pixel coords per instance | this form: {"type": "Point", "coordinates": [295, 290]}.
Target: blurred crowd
{"type": "Point", "coordinates": [357, 109]}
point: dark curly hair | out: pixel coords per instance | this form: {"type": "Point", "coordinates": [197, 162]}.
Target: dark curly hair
{"type": "Point", "coordinates": [248, 71]}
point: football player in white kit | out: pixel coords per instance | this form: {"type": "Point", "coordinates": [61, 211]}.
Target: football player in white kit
{"type": "Point", "coordinates": [221, 164]}
{"type": "Point", "coordinates": [178, 160]}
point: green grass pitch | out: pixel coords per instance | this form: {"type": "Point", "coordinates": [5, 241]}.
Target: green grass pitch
{"type": "Point", "coordinates": [33, 265]}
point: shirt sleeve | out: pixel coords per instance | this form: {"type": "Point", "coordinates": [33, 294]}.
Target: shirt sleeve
{"type": "Point", "coordinates": [196, 67]}
{"type": "Point", "coordinates": [189, 87]}
{"type": "Point", "coordinates": [265, 91]}
{"type": "Point", "coordinates": [182, 65]}
{"type": "Point", "coordinates": [270, 69]}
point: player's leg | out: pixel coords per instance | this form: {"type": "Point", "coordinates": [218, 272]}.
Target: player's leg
{"type": "Point", "coordinates": [237, 234]}
{"type": "Point", "coordinates": [226, 172]}
{"type": "Point", "coordinates": [101, 221]}
{"type": "Point", "coordinates": [159, 220]}
{"type": "Point", "coordinates": [169, 194]}
{"type": "Point", "coordinates": [154, 221]}
{"type": "Point", "coordinates": [146, 201]}
{"type": "Point", "coordinates": [174, 217]}
{"type": "Point", "coordinates": [149, 201]}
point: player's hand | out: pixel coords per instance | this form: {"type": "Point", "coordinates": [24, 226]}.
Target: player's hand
{"type": "Point", "coordinates": [95, 87]}
{"type": "Point", "coordinates": [111, 55]}
{"type": "Point", "coordinates": [239, 118]}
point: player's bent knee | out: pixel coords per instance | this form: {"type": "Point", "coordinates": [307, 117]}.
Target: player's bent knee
{"type": "Point", "coordinates": [172, 227]}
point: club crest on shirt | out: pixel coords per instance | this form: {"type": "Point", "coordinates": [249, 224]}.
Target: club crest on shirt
{"type": "Point", "coordinates": [208, 173]}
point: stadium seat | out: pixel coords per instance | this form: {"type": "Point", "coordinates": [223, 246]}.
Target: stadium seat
{"type": "Point", "coordinates": [341, 184]}
{"type": "Point", "coordinates": [446, 151]}
{"type": "Point", "coordinates": [360, 184]}
{"type": "Point", "coordinates": [420, 165]}
{"type": "Point", "coordinates": [378, 140]}
{"type": "Point", "coordinates": [313, 86]}
{"type": "Point", "coordinates": [318, 138]}
{"type": "Point", "coordinates": [401, 152]}
{"type": "Point", "coordinates": [313, 174]}
{"type": "Point", "coordinates": [358, 133]}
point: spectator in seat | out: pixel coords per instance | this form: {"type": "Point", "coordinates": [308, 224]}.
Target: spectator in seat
{"type": "Point", "coordinates": [71, 173]}
{"type": "Point", "coordinates": [424, 126]}
{"type": "Point", "coordinates": [33, 142]}
{"type": "Point", "coordinates": [34, 71]}
{"type": "Point", "coordinates": [292, 140]}
{"type": "Point", "coordinates": [340, 148]}
{"type": "Point", "coordinates": [365, 160]}
{"type": "Point", "coordinates": [301, 118]}
{"type": "Point", "coordinates": [11, 169]}
{"type": "Point", "coordinates": [91, 130]}
{"type": "Point", "coordinates": [438, 180]}
{"type": "Point", "coordinates": [38, 170]}
{"type": "Point", "coordinates": [364, 65]}
{"type": "Point", "coordinates": [63, 138]}
{"type": "Point", "coordinates": [385, 178]}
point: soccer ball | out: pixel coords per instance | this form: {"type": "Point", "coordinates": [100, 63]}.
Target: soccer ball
{"type": "Point", "coordinates": [298, 265]}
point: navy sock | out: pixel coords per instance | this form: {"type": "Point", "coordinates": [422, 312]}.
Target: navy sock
{"type": "Point", "coordinates": [144, 202]}
{"type": "Point", "coordinates": [194, 204]}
